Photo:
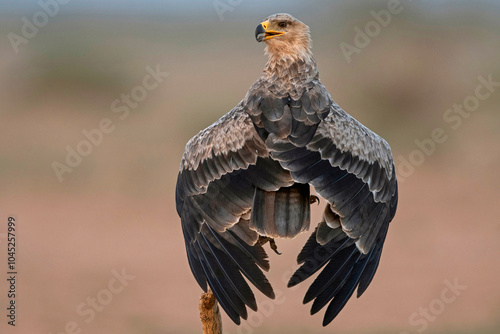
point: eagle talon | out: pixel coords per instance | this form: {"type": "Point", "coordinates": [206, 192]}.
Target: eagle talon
{"type": "Point", "coordinates": [274, 247]}
{"type": "Point", "coordinates": [314, 199]}
{"type": "Point", "coordinates": [263, 240]}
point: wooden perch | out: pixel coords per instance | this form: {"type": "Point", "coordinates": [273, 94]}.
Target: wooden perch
{"type": "Point", "coordinates": [210, 314]}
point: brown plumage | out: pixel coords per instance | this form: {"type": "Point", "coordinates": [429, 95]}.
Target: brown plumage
{"type": "Point", "coordinates": [249, 175]}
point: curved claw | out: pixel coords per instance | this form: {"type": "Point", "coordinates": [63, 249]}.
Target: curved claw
{"type": "Point", "coordinates": [314, 199]}
{"type": "Point", "coordinates": [263, 240]}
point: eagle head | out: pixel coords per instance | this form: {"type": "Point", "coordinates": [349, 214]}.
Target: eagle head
{"type": "Point", "coordinates": [284, 35]}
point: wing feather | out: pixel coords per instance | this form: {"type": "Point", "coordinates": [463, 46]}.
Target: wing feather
{"type": "Point", "coordinates": [352, 168]}
{"type": "Point", "coordinates": [220, 170]}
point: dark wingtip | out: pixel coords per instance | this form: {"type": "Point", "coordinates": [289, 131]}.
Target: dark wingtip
{"type": "Point", "coordinates": [360, 292]}
{"type": "Point", "coordinates": [326, 321]}
{"type": "Point", "coordinates": [307, 298]}
{"type": "Point", "coordinates": [294, 280]}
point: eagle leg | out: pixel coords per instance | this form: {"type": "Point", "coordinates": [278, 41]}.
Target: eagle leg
{"type": "Point", "coordinates": [272, 243]}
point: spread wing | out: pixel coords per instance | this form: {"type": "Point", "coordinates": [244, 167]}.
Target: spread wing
{"type": "Point", "coordinates": [352, 168]}
{"type": "Point", "coordinates": [220, 170]}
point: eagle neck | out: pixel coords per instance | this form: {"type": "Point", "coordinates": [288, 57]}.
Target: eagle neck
{"type": "Point", "coordinates": [287, 74]}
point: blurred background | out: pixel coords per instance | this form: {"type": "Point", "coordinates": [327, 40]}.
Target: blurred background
{"type": "Point", "coordinates": [91, 210]}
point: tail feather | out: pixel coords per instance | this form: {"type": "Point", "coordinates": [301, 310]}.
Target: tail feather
{"type": "Point", "coordinates": [283, 213]}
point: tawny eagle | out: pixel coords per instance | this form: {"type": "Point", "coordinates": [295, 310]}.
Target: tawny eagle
{"type": "Point", "coordinates": [246, 179]}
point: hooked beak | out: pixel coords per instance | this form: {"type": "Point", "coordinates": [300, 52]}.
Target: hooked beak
{"type": "Point", "coordinates": [263, 34]}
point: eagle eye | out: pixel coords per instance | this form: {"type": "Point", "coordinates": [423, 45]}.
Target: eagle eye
{"type": "Point", "coordinates": [282, 24]}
